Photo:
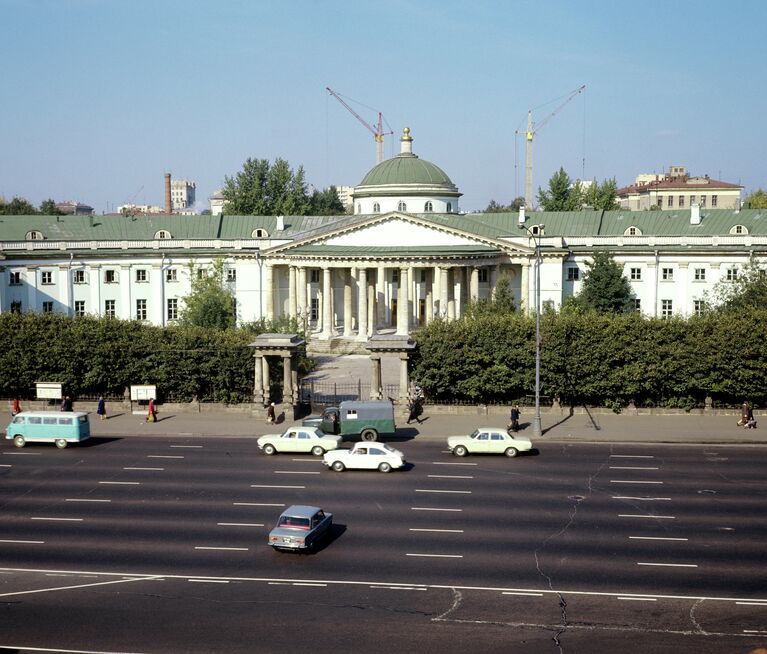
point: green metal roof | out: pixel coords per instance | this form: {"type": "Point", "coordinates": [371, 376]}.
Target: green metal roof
{"type": "Point", "coordinates": [406, 169]}
{"type": "Point", "coordinates": [366, 252]}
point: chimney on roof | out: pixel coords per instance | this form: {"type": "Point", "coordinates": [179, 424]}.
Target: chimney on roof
{"type": "Point", "coordinates": [168, 204]}
{"type": "Point", "coordinates": [521, 219]}
{"type": "Point", "coordinates": [280, 223]}
{"type": "Point", "coordinates": [694, 214]}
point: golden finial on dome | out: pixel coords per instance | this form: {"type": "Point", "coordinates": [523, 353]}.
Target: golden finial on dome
{"type": "Point", "coordinates": [406, 135]}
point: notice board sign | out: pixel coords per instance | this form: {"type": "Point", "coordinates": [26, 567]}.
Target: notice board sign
{"type": "Point", "coordinates": [48, 390]}
{"type": "Point", "coordinates": [144, 392]}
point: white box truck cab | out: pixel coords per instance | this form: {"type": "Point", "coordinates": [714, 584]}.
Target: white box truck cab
{"type": "Point", "coordinates": [367, 420]}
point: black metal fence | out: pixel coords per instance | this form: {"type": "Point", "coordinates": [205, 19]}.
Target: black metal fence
{"type": "Point", "coordinates": [319, 395]}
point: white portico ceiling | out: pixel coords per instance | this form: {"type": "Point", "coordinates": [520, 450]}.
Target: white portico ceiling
{"type": "Point", "coordinates": [398, 232]}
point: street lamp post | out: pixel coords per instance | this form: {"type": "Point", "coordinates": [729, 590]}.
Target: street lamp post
{"type": "Point", "coordinates": [537, 431]}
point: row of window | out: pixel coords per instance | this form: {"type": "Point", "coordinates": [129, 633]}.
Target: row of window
{"type": "Point", "coordinates": [680, 201]}
{"type": "Point", "coordinates": [428, 207]}
{"type": "Point", "coordinates": [110, 308]}
{"type": "Point", "coordinates": [666, 274]}
{"type": "Point", "coordinates": [162, 234]}
{"type": "Point", "coordinates": [110, 276]}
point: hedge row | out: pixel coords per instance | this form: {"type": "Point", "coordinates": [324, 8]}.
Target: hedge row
{"type": "Point", "coordinates": [597, 359]}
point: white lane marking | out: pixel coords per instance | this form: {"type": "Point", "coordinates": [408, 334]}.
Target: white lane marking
{"type": "Point", "coordinates": [6, 465]}
{"type": "Point", "coordinates": [99, 583]}
{"type": "Point", "coordinates": [188, 446]}
{"type": "Point", "coordinates": [632, 456]}
{"type": "Point", "coordinates": [521, 594]}
{"type": "Point", "coordinates": [670, 565]}
{"type": "Point", "coordinates": [447, 463]}
{"type": "Point", "coordinates": [437, 556]}
{"type": "Point", "coordinates": [368, 582]}
{"type": "Point", "coordinates": [639, 515]}
{"type": "Point", "coordinates": [273, 486]}
{"type": "Point", "coordinates": [296, 472]}
{"type": "Point", "coordinates": [754, 604]}
{"type": "Point", "coordinates": [25, 648]}
{"type": "Point", "coordinates": [654, 538]}
{"type": "Point", "coordinates": [752, 631]}
{"type": "Point", "coordinates": [637, 599]}
{"type": "Point", "coordinates": [307, 583]}
{"type": "Point", "coordinates": [442, 531]}
{"type": "Point", "coordinates": [84, 499]}
{"type": "Point", "coordinates": [143, 468]}
{"type": "Point", "coordinates": [256, 504]}
{"type": "Point", "coordinates": [641, 499]}
{"type": "Point", "coordinates": [60, 519]}
{"type": "Point", "coordinates": [398, 588]}
{"type": "Point", "coordinates": [24, 542]}
{"type": "Point", "coordinates": [427, 508]}
{"type": "Point", "coordinates": [633, 481]}
{"type": "Point", "coordinates": [22, 453]}
{"type": "Point", "coordinates": [315, 460]}
{"type": "Point", "coordinates": [451, 476]}
{"type": "Point", "coordinates": [121, 483]}
{"type": "Point", "coordinates": [208, 581]}
{"type": "Point", "coordinates": [279, 583]}
{"type": "Point", "coordinates": [429, 490]}
{"type": "Point", "coordinates": [239, 524]}
{"type": "Point", "coordinates": [226, 549]}
{"type": "Point", "coordinates": [633, 468]}
{"type": "Point", "coordinates": [164, 456]}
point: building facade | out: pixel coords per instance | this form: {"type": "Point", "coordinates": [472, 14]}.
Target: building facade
{"type": "Point", "coordinates": [183, 195]}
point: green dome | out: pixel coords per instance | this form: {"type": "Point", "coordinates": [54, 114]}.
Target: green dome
{"type": "Point", "coordinates": [407, 168]}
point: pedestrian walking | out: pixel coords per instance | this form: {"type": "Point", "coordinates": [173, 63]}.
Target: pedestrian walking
{"type": "Point", "coordinates": [66, 403]}
{"type": "Point", "coordinates": [514, 418]}
{"type": "Point", "coordinates": [101, 409]}
{"type": "Point", "coordinates": [744, 413]}
{"type": "Point", "coordinates": [270, 414]}
{"type": "Point", "coordinates": [151, 415]}
{"type": "Point", "coordinates": [415, 410]}
{"type": "Point", "coordinates": [16, 406]}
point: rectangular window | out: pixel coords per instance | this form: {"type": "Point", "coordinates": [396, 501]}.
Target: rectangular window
{"type": "Point", "coordinates": [80, 308]}
{"type": "Point", "coordinates": [141, 275]}
{"type": "Point", "coordinates": [171, 275]}
{"type": "Point", "coordinates": [666, 308]}
{"type": "Point", "coordinates": [231, 274]}
{"type": "Point", "coordinates": [395, 276]}
{"type": "Point", "coordinates": [109, 309]}
{"type": "Point", "coordinates": [424, 277]}
{"type": "Point", "coordinates": [482, 275]}
{"type": "Point", "coordinates": [46, 277]}
{"type": "Point", "coordinates": [16, 307]}
{"type": "Point", "coordinates": [314, 276]}
{"type": "Point", "coordinates": [702, 200]}
{"type": "Point", "coordinates": [110, 276]}
{"type": "Point", "coordinates": [667, 274]}
{"type": "Point", "coordinates": [172, 309]}
{"type": "Point", "coordinates": [681, 201]}
{"type": "Point", "coordinates": [670, 201]}
{"type": "Point", "coordinates": [15, 278]}
{"type": "Point", "coordinates": [314, 310]}
{"type": "Point", "coordinates": [732, 274]}
{"type": "Point", "coordinates": [713, 201]}
{"type": "Point", "coordinates": [637, 305]}
{"type": "Point", "coordinates": [140, 309]}
{"type": "Point", "coordinates": [636, 274]}
{"type": "Point", "coordinates": [78, 277]}
{"type": "Point", "coordinates": [699, 306]}
{"type": "Point", "coordinates": [692, 200]}
{"type": "Point", "coordinates": [700, 274]}
{"type": "Point", "coordinates": [201, 273]}
{"type": "Point", "coordinates": [573, 274]}
{"type": "Point", "coordinates": [47, 307]}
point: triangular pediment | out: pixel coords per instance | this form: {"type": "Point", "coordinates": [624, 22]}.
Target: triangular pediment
{"type": "Point", "coordinates": [397, 232]}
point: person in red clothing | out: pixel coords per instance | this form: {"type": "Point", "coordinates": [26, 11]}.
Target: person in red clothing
{"type": "Point", "coordinates": [16, 406]}
{"type": "Point", "coordinates": [151, 415]}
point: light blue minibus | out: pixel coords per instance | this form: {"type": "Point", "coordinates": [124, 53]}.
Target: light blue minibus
{"type": "Point", "coordinates": [48, 427]}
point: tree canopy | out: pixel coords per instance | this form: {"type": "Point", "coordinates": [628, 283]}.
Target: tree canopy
{"type": "Point", "coordinates": [562, 195]}
{"type": "Point", "coordinates": [210, 303]}
{"type": "Point", "coordinates": [264, 189]}
{"type": "Point", "coordinates": [604, 288]}
{"type": "Point", "coordinates": [602, 196]}
{"type": "Point", "coordinates": [745, 292]}
{"type": "Point", "coordinates": [756, 200]}
{"type": "Point", "coordinates": [495, 207]}
{"type": "Point", "coordinates": [17, 207]}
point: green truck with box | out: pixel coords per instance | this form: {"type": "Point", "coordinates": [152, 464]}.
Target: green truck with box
{"type": "Point", "coordinates": [366, 420]}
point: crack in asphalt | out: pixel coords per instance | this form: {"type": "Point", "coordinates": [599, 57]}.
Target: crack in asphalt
{"type": "Point", "coordinates": [696, 624]}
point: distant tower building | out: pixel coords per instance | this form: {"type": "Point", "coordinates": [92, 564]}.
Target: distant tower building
{"type": "Point", "coordinates": [182, 194]}
{"type": "Point", "coordinates": [217, 203]}
{"type": "Point", "coordinates": [346, 196]}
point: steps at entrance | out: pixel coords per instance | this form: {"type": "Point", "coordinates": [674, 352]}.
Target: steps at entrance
{"type": "Point", "coordinates": [336, 346]}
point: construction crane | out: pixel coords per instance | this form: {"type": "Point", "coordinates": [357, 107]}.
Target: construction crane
{"type": "Point", "coordinates": [377, 130]}
{"type": "Point", "coordinates": [532, 130]}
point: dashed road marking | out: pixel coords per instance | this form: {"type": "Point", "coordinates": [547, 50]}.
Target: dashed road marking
{"type": "Point", "coordinates": [521, 594]}
{"type": "Point", "coordinates": [670, 565]}
{"type": "Point", "coordinates": [633, 468]}
{"type": "Point", "coordinates": [58, 519]}
{"type": "Point", "coordinates": [164, 456]}
{"type": "Point", "coordinates": [23, 542]}
{"type": "Point", "coordinates": [143, 468]}
{"type": "Point", "coordinates": [188, 446]}
{"type": "Point", "coordinates": [637, 599]}
{"type": "Point", "coordinates": [121, 483]}
{"type": "Point", "coordinates": [632, 456]}
{"type": "Point", "coordinates": [445, 531]}
{"type": "Point", "coordinates": [257, 504]}
{"type": "Point", "coordinates": [273, 486]}
{"type": "Point", "coordinates": [639, 515]}
{"type": "Point", "coordinates": [641, 499]}
{"type": "Point", "coordinates": [427, 508]}
{"type": "Point", "coordinates": [654, 538]}
{"type": "Point", "coordinates": [225, 549]}
{"type": "Point", "coordinates": [448, 463]}
{"type": "Point", "coordinates": [296, 472]}
{"type": "Point", "coordinates": [84, 499]}
{"type": "Point", "coordinates": [429, 490]}
{"type": "Point", "coordinates": [437, 556]}
{"type": "Point", "coordinates": [240, 524]}
{"type": "Point", "coordinates": [451, 476]}
{"type": "Point", "coordinates": [633, 481]}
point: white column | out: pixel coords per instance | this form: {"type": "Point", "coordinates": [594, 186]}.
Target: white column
{"type": "Point", "coordinates": [444, 292]}
{"type": "Point", "coordinates": [347, 273]}
{"type": "Point", "coordinates": [292, 292]}
{"type": "Point", "coordinates": [371, 310]}
{"type": "Point", "coordinates": [269, 291]}
{"type": "Point", "coordinates": [362, 304]}
{"type": "Point", "coordinates": [412, 296]}
{"type": "Point", "coordinates": [495, 273]}
{"type": "Point", "coordinates": [303, 305]}
{"type": "Point", "coordinates": [474, 284]}
{"type": "Point", "coordinates": [524, 291]}
{"type": "Point", "coordinates": [327, 309]}
{"type": "Point", "coordinates": [429, 294]}
{"type": "Point", "coordinates": [436, 293]}
{"type": "Point", "coordinates": [380, 303]}
{"type": "Point", "coordinates": [402, 303]}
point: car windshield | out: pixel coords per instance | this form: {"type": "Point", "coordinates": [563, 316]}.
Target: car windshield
{"type": "Point", "coordinates": [291, 522]}
{"type": "Point", "coordinates": [475, 433]}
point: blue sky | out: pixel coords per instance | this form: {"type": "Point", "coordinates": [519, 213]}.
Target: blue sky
{"type": "Point", "coordinates": [101, 97]}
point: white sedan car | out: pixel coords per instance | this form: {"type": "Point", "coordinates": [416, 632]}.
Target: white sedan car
{"type": "Point", "coordinates": [299, 439]}
{"type": "Point", "coordinates": [489, 440]}
{"type": "Point", "coordinates": [365, 456]}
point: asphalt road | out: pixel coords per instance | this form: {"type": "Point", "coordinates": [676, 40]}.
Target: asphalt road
{"type": "Point", "coordinates": [158, 545]}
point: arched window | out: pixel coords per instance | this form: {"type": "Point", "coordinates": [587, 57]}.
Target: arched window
{"type": "Point", "coordinates": [401, 206]}
{"type": "Point", "coordinates": [450, 207]}
{"type": "Point", "coordinates": [34, 235]}
{"type": "Point", "coordinates": [428, 207]}
{"type": "Point", "coordinates": [259, 233]}
{"type": "Point", "coordinates": [162, 234]}
{"type": "Point", "coordinates": [633, 231]}
{"type": "Point", "coordinates": [738, 229]}
{"type": "Point", "coordinates": [376, 207]}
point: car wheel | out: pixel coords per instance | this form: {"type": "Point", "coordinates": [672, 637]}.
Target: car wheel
{"type": "Point", "coordinates": [317, 450]}
{"type": "Point", "coordinates": [385, 467]}
{"type": "Point", "coordinates": [369, 435]}
{"type": "Point", "coordinates": [338, 466]}
{"type": "Point", "coordinates": [460, 450]}
{"type": "Point", "coordinates": [512, 451]}
{"type": "Point", "coordinates": [269, 449]}
{"type": "Point", "coordinates": [61, 443]}
{"type": "Point", "coordinates": [19, 441]}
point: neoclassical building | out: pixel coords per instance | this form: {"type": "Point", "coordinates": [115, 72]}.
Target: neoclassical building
{"type": "Point", "coordinates": [403, 258]}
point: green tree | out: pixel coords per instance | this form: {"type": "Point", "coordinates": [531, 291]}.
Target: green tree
{"type": "Point", "coordinates": [747, 291]}
{"type": "Point", "coordinates": [563, 194]}
{"type": "Point", "coordinates": [48, 208]}
{"type": "Point", "coordinates": [602, 196]}
{"type": "Point", "coordinates": [604, 288]}
{"type": "Point", "coordinates": [495, 207]}
{"type": "Point", "coordinates": [326, 203]}
{"type": "Point", "coordinates": [17, 207]}
{"type": "Point", "coordinates": [210, 303]}
{"type": "Point", "coordinates": [502, 301]}
{"type": "Point", "coordinates": [756, 200]}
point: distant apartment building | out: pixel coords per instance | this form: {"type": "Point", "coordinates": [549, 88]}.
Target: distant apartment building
{"type": "Point", "coordinates": [217, 203]}
{"type": "Point", "coordinates": [182, 193]}
{"type": "Point", "coordinates": [346, 196]}
{"type": "Point", "coordinates": [678, 190]}
{"type": "Point", "coordinates": [72, 208]}
{"type": "Point", "coordinates": [139, 209]}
